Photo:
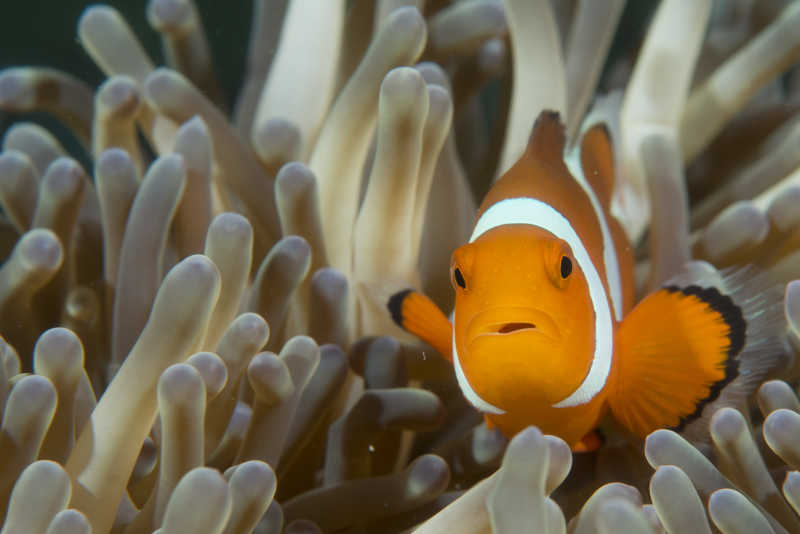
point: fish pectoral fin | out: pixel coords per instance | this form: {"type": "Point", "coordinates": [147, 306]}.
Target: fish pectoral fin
{"type": "Point", "coordinates": [416, 313]}
{"type": "Point", "coordinates": [677, 350]}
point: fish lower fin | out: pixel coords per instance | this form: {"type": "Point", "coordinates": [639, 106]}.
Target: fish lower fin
{"type": "Point", "coordinates": [416, 313]}
{"type": "Point", "coordinates": [701, 342]}
{"type": "Point", "coordinates": [590, 442]}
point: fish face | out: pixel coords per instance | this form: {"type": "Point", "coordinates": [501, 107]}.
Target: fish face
{"type": "Point", "coordinates": [523, 328]}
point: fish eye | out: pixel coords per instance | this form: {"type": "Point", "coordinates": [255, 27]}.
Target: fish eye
{"type": "Point", "coordinates": [566, 266]}
{"type": "Point", "coordinates": [459, 278]}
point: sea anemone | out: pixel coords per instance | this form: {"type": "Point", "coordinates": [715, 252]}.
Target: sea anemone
{"type": "Point", "coordinates": [193, 294]}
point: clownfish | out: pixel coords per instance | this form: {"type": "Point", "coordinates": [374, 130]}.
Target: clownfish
{"type": "Point", "coordinates": [544, 329]}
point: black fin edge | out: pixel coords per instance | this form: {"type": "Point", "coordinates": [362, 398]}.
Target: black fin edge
{"type": "Point", "coordinates": [737, 327]}
{"type": "Point", "coordinates": [395, 306]}
{"type": "Point", "coordinates": [548, 123]}
{"type": "Point", "coordinates": [548, 115]}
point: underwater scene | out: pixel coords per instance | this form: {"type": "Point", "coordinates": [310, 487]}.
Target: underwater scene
{"type": "Point", "coordinates": [400, 266]}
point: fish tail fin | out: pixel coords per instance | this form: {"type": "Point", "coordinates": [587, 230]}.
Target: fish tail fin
{"type": "Point", "coordinates": [705, 340]}
{"type": "Point", "coordinates": [416, 313]}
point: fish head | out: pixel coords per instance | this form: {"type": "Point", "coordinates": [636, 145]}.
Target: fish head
{"type": "Point", "coordinates": [523, 319]}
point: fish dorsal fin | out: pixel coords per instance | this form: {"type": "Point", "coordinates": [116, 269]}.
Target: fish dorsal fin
{"type": "Point", "coordinates": [546, 143]}
{"type": "Point", "coordinates": [597, 161]}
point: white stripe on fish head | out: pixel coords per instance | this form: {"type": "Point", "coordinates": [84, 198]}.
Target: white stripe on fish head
{"type": "Point", "coordinates": [470, 394]}
{"type": "Point", "coordinates": [610, 260]}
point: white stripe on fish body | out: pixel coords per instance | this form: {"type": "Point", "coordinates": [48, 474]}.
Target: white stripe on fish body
{"type": "Point", "coordinates": [610, 261]}
{"type": "Point", "coordinates": [534, 212]}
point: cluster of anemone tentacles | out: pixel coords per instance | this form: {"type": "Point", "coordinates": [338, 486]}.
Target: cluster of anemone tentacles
{"type": "Point", "coordinates": [195, 337]}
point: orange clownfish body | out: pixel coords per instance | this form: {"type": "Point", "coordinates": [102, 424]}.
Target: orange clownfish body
{"type": "Point", "coordinates": [544, 330]}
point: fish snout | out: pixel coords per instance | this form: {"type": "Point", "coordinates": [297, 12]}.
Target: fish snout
{"type": "Point", "coordinates": [513, 359]}
{"type": "Point", "coordinates": [510, 321]}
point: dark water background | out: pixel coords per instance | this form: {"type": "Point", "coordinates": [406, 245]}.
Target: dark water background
{"type": "Point", "coordinates": [44, 32]}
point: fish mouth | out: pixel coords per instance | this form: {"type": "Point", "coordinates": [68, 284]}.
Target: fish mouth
{"type": "Point", "coordinates": [510, 328]}
{"type": "Point", "coordinates": [512, 321]}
